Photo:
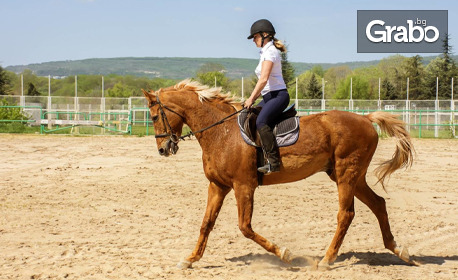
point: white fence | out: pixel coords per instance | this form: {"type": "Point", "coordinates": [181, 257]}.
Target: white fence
{"type": "Point", "coordinates": [423, 116]}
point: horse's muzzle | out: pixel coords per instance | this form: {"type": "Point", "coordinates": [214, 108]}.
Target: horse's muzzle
{"type": "Point", "coordinates": [170, 148]}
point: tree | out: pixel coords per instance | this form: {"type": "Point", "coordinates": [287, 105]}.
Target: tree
{"type": "Point", "coordinates": [318, 70]}
{"type": "Point", "coordinates": [369, 75]}
{"type": "Point", "coordinates": [120, 90]}
{"type": "Point", "coordinates": [387, 90]}
{"type": "Point", "coordinates": [432, 72]}
{"type": "Point", "coordinates": [390, 68]}
{"type": "Point", "coordinates": [287, 70]}
{"type": "Point", "coordinates": [32, 90]}
{"type": "Point", "coordinates": [11, 113]}
{"type": "Point", "coordinates": [359, 86]}
{"type": "Point", "coordinates": [303, 81]}
{"type": "Point", "coordinates": [414, 70]}
{"type": "Point", "coordinates": [209, 79]}
{"type": "Point", "coordinates": [212, 74]}
{"type": "Point", "coordinates": [447, 69]}
{"type": "Point", "coordinates": [442, 68]}
{"type": "Point", "coordinates": [332, 78]}
{"type": "Point", "coordinates": [314, 90]}
{"type": "Point", "coordinates": [211, 67]}
{"type": "Point", "coordinates": [5, 82]}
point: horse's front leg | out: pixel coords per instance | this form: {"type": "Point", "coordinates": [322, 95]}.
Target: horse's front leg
{"type": "Point", "coordinates": [216, 195]}
{"type": "Point", "coordinates": [244, 195]}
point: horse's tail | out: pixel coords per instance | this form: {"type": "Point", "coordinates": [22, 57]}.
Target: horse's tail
{"type": "Point", "coordinates": [403, 156]}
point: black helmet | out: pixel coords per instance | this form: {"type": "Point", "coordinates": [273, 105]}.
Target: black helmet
{"type": "Point", "coordinates": [262, 25]}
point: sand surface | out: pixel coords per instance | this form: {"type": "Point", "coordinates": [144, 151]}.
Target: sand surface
{"type": "Point", "coordinates": [112, 208]}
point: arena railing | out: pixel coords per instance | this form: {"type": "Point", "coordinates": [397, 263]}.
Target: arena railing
{"type": "Point", "coordinates": [425, 118]}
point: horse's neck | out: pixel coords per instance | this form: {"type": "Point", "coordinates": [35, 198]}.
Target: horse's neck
{"type": "Point", "coordinates": [205, 114]}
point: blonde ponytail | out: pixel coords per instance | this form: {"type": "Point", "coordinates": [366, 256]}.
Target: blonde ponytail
{"type": "Point", "coordinates": [279, 45]}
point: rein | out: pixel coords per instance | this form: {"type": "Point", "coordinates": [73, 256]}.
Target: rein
{"type": "Point", "coordinates": [173, 136]}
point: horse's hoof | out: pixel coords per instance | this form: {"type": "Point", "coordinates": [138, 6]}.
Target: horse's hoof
{"type": "Point", "coordinates": [184, 264]}
{"type": "Point", "coordinates": [285, 255]}
{"type": "Point", "coordinates": [403, 253]}
{"type": "Point", "coordinates": [323, 265]}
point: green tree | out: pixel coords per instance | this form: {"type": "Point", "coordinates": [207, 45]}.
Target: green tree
{"type": "Point", "coordinates": [287, 70]}
{"type": "Point", "coordinates": [32, 90]}
{"type": "Point", "coordinates": [120, 90]}
{"type": "Point", "coordinates": [211, 67]}
{"type": "Point", "coordinates": [89, 85]}
{"type": "Point", "coordinates": [387, 90]}
{"type": "Point", "coordinates": [11, 113]}
{"type": "Point", "coordinates": [209, 78]}
{"type": "Point", "coordinates": [318, 70]}
{"type": "Point", "coordinates": [447, 69]}
{"type": "Point", "coordinates": [40, 83]}
{"type": "Point", "coordinates": [303, 81]}
{"type": "Point", "coordinates": [314, 90]}
{"type": "Point", "coordinates": [359, 88]}
{"type": "Point", "coordinates": [370, 75]}
{"type": "Point", "coordinates": [332, 78]}
{"type": "Point", "coordinates": [441, 68]}
{"type": "Point", "coordinates": [5, 82]}
{"type": "Point", "coordinates": [432, 72]}
{"type": "Point", "coordinates": [391, 68]}
{"type": "Point", "coordinates": [414, 70]}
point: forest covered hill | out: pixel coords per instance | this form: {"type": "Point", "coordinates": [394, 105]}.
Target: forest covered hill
{"type": "Point", "coordinates": [163, 67]}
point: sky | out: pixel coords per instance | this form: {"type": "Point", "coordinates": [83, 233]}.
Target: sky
{"type": "Point", "coordinates": [318, 31]}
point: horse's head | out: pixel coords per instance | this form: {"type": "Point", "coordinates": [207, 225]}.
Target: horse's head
{"type": "Point", "coordinates": [167, 122]}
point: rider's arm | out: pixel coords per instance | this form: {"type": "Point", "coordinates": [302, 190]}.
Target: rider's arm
{"type": "Point", "coordinates": [266, 69]}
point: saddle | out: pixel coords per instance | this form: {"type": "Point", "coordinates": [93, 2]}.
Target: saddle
{"type": "Point", "coordinates": [286, 129]}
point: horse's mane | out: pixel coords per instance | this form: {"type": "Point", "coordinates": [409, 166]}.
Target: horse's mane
{"type": "Point", "coordinates": [204, 92]}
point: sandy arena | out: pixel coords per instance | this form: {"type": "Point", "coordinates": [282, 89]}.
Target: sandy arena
{"type": "Point", "coordinates": [112, 208]}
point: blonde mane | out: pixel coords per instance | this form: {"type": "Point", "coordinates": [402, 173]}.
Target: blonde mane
{"type": "Point", "coordinates": [205, 93]}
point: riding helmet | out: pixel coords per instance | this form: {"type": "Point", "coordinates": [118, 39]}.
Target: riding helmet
{"type": "Point", "coordinates": [262, 25]}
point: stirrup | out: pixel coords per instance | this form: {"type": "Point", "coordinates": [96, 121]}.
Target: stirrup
{"type": "Point", "coordinates": [268, 168]}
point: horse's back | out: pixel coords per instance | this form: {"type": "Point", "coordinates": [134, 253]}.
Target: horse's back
{"type": "Point", "coordinates": [340, 124]}
{"type": "Point", "coordinates": [344, 132]}
{"type": "Point", "coordinates": [324, 138]}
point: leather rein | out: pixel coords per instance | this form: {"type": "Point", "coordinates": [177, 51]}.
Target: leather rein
{"type": "Point", "coordinates": [174, 138]}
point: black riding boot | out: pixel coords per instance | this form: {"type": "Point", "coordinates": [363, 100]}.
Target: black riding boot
{"type": "Point", "coordinates": [270, 147]}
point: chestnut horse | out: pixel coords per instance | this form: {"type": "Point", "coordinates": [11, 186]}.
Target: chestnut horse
{"type": "Point", "coordinates": [339, 143]}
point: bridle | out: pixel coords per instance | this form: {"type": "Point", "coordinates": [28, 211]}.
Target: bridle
{"type": "Point", "coordinates": [172, 143]}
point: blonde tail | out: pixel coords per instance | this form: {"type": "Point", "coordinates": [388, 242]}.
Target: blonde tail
{"type": "Point", "coordinates": [403, 156]}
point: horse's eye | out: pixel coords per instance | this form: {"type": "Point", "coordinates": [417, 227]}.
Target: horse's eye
{"type": "Point", "coordinates": [155, 118]}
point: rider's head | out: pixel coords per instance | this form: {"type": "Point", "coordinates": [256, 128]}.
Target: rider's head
{"type": "Point", "coordinates": [261, 32]}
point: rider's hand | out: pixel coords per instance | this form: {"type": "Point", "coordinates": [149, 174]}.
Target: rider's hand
{"type": "Point", "coordinates": [248, 103]}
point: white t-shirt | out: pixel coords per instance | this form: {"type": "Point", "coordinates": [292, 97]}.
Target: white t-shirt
{"type": "Point", "coordinates": [275, 81]}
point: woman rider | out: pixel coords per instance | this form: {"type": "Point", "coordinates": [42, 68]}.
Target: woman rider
{"type": "Point", "coordinates": [271, 86]}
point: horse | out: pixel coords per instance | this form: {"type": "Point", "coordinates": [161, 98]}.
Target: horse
{"type": "Point", "coordinates": [337, 142]}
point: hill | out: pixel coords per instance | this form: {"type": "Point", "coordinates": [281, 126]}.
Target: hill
{"type": "Point", "coordinates": [164, 67]}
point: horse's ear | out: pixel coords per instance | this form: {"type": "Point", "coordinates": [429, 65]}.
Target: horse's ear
{"type": "Point", "coordinates": [149, 96]}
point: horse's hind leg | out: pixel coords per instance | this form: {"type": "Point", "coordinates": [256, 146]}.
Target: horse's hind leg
{"type": "Point", "coordinates": [377, 205]}
{"type": "Point", "coordinates": [216, 195]}
{"type": "Point", "coordinates": [244, 195]}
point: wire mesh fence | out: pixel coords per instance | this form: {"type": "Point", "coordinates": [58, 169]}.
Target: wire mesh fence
{"type": "Point", "coordinates": [54, 114]}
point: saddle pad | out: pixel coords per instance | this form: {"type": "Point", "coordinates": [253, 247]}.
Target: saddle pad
{"type": "Point", "coordinates": [286, 132]}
